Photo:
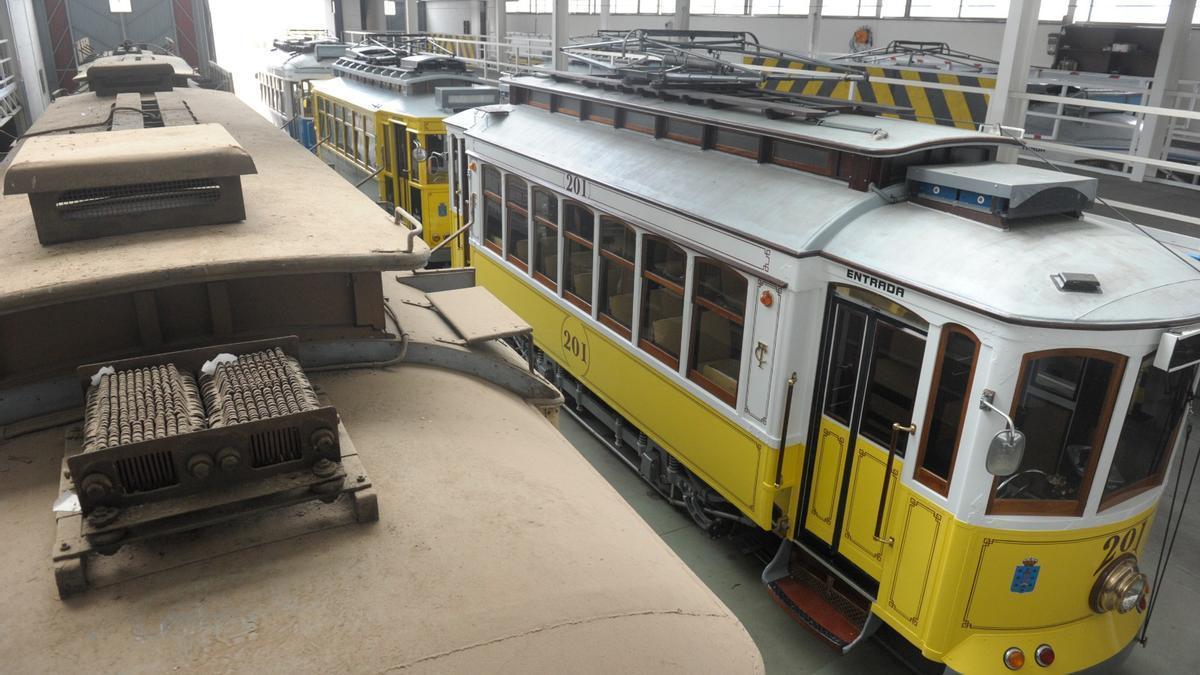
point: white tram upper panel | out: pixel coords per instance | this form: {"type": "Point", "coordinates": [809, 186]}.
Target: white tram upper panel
{"type": "Point", "coordinates": [1006, 273]}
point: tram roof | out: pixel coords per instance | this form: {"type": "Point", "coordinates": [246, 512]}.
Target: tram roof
{"type": "Point", "coordinates": [1002, 273]}
{"type": "Point", "coordinates": [373, 98]}
{"type": "Point", "coordinates": [288, 229]}
{"type": "Point", "coordinates": [298, 65]}
{"type": "Point", "coordinates": [846, 131]}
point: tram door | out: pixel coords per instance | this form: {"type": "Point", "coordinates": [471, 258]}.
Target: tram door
{"type": "Point", "coordinates": [400, 159]}
{"type": "Point", "coordinates": [874, 349]}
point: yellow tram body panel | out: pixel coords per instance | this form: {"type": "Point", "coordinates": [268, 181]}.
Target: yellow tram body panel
{"type": "Point", "coordinates": [948, 586]}
{"type": "Point", "coordinates": [727, 457]}
{"type": "Point", "coordinates": [343, 129]}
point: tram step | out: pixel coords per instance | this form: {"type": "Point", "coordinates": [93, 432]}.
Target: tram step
{"type": "Point", "coordinates": [819, 601]}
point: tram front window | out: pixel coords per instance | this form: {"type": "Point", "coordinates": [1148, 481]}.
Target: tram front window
{"type": "Point", "coordinates": [1149, 433]}
{"type": "Point", "coordinates": [1064, 402]}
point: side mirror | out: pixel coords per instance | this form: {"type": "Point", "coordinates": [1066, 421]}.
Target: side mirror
{"type": "Point", "coordinates": [1005, 452]}
{"type": "Point", "coordinates": [1007, 448]}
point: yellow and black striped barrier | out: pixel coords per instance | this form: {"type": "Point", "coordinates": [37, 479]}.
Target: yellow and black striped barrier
{"type": "Point", "coordinates": [962, 109]}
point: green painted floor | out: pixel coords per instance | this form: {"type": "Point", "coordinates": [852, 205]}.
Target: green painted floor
{"type": "Point", "coordinates": [732, 574]}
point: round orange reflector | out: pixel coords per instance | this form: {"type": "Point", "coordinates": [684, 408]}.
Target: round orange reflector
{"type": "Point", "coordinates": [1044, 655]}
{"type": "Point", "coordinates": [766, 299]}
{"type": "Point", "coordinates": [1014, 658]}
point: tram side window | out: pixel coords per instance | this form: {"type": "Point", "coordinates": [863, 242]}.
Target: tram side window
{"type": "Point", "coordinates": [892, 386]}
{"type": "Point", "coordinates": [685, 131]}
{"type": "Point", "coordinates": [947, 407]}
{"type": "Point", "coordinates": [1064, 401]}
{"type": "Point", "coordinates": [736, 142]}
{"type": "Point", "coordinates": [1150, 431]}
{"type": "Point", "coordinates": [601, 113]}
{"type": "Point", "coordinates": [802, 157]}
{"type": "Point", "coordinates": [663, 270]}
{"type": "Point", "coordinates": [618, 244]}
{"type": "Point", "coordinates": [638, 121]}
{"type": "Point", "coordinates": [718, 312]}
{"type": "Point", "coordinates": [579, 231]}
{"type": "Point", "coordinates": [545, 236]}
{"type": "Point", "coordinates": [516, 202]}
{"type": "Point", "coordinates": [436, 162]}
{"type": "Point", "coordinates": [493, 221]}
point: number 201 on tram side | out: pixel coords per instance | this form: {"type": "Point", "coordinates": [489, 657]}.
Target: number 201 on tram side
{"type": "Point", "coordinates": [956, 403]}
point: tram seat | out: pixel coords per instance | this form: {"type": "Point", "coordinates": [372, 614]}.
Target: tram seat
{"type": "Point", "coordinates": [722, 373]}
{"type": "Point", "coordinates": [583, 285]}
{"type": "Point", "coordinates": [549, 263]}
{"type": "Point", "coordinates": [664, 303]}
{"type": "Point", "coordinates": [522, 249]}
{"type": "Point", "coordinates": [668, 334]}
{"type": "Point", "coordinates": [621, 308]}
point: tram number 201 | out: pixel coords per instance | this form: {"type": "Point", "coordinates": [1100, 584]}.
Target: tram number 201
{"type": "Point", "coordinates": [573, 346]}
{"type": "Point", "coordinates": [1119, 543]}
{"type": "Point", "coordinates": [575, 184]}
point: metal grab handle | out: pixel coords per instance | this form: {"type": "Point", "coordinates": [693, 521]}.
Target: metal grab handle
{"type": "Point", "coordinates": [417, 227]}
{"type": "Point", "coordinates": [887, 481]}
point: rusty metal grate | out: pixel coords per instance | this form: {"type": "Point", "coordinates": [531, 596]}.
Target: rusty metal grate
{"type": "Point", "coordinates": [275, 447]}
{"type": "Point", "coordinates": [147, 472]}
{"type": "Point", "coordinates": [124, 200]}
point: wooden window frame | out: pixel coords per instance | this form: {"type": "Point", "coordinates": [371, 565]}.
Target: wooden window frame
{"type": "Point", "coordinates": [1047, 507]}
{"type": "Point", "coordinates": [590, 246]}
{"type": "Point", "coordinates": [488, 195]}
{"type": "Point", "coordinates": [924, 476]}
{"type": "Point", "coordinates": [510, 205]}
{"type": "Point", "coordinates": [590, 116]}
{"type": "Point", "coordinates": [1153, 480]}
{"type": "Point", "coordinates": [755, 154]}
{"type": "Point", "coordinates": [604, 318]}
{"type": "Point", "coordinates": [536, 220]}
{"type": "Point", "coordinates": [829, 169]}
{"type": "Point", "coordinates": [694, 334]}
{"type": "Point", "coordinates": [623, 116]}
{"type": "Point", "coordinates": [646, 345]}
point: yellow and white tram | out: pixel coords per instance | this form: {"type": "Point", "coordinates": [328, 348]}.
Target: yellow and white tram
{"type": "Point", "coordinates": [936, 380]}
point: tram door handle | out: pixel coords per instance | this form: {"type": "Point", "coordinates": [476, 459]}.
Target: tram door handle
{"type": "Point", "coordinates": [887, 480]}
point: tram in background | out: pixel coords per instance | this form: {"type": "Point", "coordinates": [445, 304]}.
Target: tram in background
{"type": "Point", "coordinates": [379, 124]}
{"type": "Point", "coordinates": [179, 552]}
{"type": "Point", "coordinates": [951, 393]}
{"type": "Point", "coordinates": [285, 82]}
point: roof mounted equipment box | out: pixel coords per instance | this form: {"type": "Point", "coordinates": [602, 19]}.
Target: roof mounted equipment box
{"type": "Point", "coordinates": [83, 186]}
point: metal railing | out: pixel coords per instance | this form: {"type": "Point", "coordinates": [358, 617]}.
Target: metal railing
{"type": "Point", "coordinates": [10, 95]}
{"type": "Point", "coordinates": [520, 52]}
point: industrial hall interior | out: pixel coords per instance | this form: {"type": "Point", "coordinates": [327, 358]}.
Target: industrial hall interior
{"type": "Point", "coordinates": [830, 337]}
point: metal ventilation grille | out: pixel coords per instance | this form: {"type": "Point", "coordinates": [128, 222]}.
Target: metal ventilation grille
{"type": "Point", "coordinates": [124, 200]}
{"type": "Point", "coordinates": [141, 404]}
{"type": "Point", "coordinates": [275, 447]}
{"type": "Point", "coordinates": [146, 472]}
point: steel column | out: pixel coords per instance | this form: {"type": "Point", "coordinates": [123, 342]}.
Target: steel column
{"type": "Point", "coordinates": [1153, 134]}
{"type": "Point", "coordinates": [1015, 52]}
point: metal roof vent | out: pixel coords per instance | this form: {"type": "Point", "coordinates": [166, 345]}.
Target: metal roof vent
{"type": "Point", "coordinates": [999, 193]}
{"type": "Point", "coordinates": [1076, 282]}
{"type": "Point", "coordinates": [83, 186]}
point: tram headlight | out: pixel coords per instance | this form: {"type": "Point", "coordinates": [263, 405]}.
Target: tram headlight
{"type": "Point", "coordinates": [1120, 586]}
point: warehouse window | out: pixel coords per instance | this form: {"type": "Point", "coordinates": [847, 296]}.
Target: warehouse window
{"type": "Point", "coordinates": [618, 246]}
{"type": "Point", "coordinates": [952, 379]}
{"type": "Point", "coordinates": [718, 319]}
{"type": "Point", "coordinates": [1063, 404]}
{"type": "Point", "coordinates": [664, 267]}
{"type": "Point", "coordinates": [579, 231]}
{"type": "Point", "coordinates": [493, 219]}
{"type": "Point", "coordinates": [545, 236]}
{"type": "Point", "coordinates": [516, 203]}
{"type": "Point", "coordinates": [1151, 428]}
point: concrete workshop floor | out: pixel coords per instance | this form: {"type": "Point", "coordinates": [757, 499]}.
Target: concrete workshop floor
{"type": "Point", "coordinates": [1174, 642]}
